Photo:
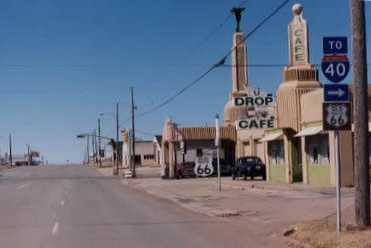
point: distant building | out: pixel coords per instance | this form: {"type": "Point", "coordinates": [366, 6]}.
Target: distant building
{"type": "Point", "coordinates": [144, 151]}
{"type": "Point", "coordinates": [157, 146]}
{"type": "Point", "coordinates": [188, 144]}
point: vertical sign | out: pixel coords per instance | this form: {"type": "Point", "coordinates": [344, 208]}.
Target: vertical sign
{"type": "Point", "coordinates": [336, 108]}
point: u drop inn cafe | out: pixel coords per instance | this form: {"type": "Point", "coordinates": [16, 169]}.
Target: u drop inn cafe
{"type": "Point", "coordinates": [260, 117]}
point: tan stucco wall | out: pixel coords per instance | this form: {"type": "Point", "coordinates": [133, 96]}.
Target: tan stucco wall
{"type": "Point", "coordinates": [248, 143]}
{"type": "Point", "coordinates": [277, 173]}
{"type": "Point", "coordinates": [319, 175]}
{"type": "Point", "coordinates": [311, 111]}
{"type": "Point", "coordinates": [311, 107]}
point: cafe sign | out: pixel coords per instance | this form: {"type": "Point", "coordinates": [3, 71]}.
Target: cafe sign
{"type": "Point", "coordinates": [256, 110]}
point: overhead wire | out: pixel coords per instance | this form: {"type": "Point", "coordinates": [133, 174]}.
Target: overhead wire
{"type": "Point", "coordinates": [220, 63]}
{"type": "Point", "coordinates": [218, 27]}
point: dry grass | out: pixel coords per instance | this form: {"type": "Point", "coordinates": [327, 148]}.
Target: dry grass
{"type": "Point", "coordinates": [322, 234]}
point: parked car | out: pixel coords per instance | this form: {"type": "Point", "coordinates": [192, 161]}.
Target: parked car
{"type": "Point", "coordinates": [250, 166]}
{"type": "Point", "coordinates": [185, 170]}
{"type": "Point", "coordinates": [225, 167]}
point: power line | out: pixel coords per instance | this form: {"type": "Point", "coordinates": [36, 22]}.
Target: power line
{"type": "Point", "coordinates": [218, 27]}
{"type": "Point", "coordinates": [257, 27]}
{"type": "Point", "coordinates": [220, 63]}
{"type": "Point", "coordinates": [179, 92]}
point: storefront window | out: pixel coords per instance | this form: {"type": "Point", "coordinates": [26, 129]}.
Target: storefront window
{"type": "Point", "coordinates": [317, 149]}
{"type": "Point", "coordinates": [276, 152]}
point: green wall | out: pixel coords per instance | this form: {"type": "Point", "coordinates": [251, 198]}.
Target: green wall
{"type": "Point", "coordinates": [277, 173]}
{"type": "Point", "coordinates": [319, 175]}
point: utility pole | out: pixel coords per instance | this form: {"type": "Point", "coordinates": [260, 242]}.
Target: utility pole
{"type": "Point", "coordinates": [10, 151]}
{"type": "Point", "coordinates": [360, 105]}
{"type": "Point", "coordinates": [93, 145]}
{"type": "Point", "coordinates": [117, 140]}
{"type": "Point", "coordinates": [28, 155]}
{"type": "Point", "coordinates": [99, 144]}
{"type": "Point", "coordinates": [87, 149]}
{"type": "Point", "coordinates": [133, 129]}
{"type": "Point", "coordinates": [96, 147]}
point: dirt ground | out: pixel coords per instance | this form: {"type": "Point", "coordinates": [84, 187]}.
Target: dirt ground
{"type": "Point", "coordinates": [322, 233]}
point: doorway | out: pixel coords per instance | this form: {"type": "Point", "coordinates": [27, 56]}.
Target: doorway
{"type": "Point", "coordinates": [297, 165]}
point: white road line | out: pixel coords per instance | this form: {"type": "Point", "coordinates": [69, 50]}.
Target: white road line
{"type": "Point", "coordinates": [62, 203]}
{"type": "Point", "coordinates": [55, 228]}
{"type": "Point", "coordinates": [23, 185]}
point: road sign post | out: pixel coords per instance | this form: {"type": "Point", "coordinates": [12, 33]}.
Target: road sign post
{"type": "Point", "coordinates": [217, 145]}
{"type": "Point", "coordinates": [338, 183]}
{"type": "Point", "coordinates": [336, 108]}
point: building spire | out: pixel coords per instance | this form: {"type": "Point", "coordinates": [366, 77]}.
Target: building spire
{"type": "Point", "coordinates": [298, 38]}
{"type": "Point", "coordinates": [238, 14]}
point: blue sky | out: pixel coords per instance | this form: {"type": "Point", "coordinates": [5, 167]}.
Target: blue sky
{"type": "Point", "coordinates": [63, 62]}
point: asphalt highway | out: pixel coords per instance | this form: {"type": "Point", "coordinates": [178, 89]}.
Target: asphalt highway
{"type": "Point", "coordinates": [75, 206]}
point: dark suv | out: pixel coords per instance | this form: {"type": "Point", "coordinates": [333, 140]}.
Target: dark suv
{"type": "Point", "coordinates": [225, 167]}
{"type": "Point", "coordinates": [249, 167]}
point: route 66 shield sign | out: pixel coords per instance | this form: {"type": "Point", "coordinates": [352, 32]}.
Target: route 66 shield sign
{"type": "Point", "coordinates": [337, 116]}
{"type": "Point", "coordinates": [204, 167]}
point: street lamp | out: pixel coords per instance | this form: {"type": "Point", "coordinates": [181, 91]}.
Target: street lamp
{"type": "Point", "coordinates": [116, 147]}
{"type": "Point", "coordinates": [82, 136]}
{"type": "Point", "coordinates": [87, 135]}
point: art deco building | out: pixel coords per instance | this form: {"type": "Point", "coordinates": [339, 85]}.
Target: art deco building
{"type": "Point", "coordinates": [299, 77]}
{"type": "Point", "coordinates": [239, 80]}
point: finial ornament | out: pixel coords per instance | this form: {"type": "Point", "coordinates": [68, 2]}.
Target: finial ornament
{"type": "Point", "coordinates": [238, 14]}
{"type": "Point", "coordinates": [298, 37]}
{"type": "Point", "coordinates": [297, 9]}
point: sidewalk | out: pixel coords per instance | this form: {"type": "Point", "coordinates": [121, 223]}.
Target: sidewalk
{"type": "Point", "coordinates": [5, 167]}
{"type": "Point", "coordinates": [271, 208]}
{"type": "Point", "coordinates": [201, 195]}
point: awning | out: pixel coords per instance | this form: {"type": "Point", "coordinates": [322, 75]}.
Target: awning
{"type": "Point", "coordinates": [310, 131]}
{"type": "Point", "coordinates": [272, 136]}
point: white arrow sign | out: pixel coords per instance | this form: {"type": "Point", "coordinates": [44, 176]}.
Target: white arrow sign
{"type": "Point", "coordinates": [338, 92]}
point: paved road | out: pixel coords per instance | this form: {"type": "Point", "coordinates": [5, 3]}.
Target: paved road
{"type": "Point", "coordinates": [74, 206]}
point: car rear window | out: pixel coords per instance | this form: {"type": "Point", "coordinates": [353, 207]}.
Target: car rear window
{"type": "Point", "coordinates": [249, 160]}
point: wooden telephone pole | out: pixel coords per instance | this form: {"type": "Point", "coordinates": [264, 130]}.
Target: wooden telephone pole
{"type": "Point", "coordinates": [133, 130]}
{"type": "Point", "coordinates": [116, 152]}
{"type": "Point", "coordinates": [99, 145]}
{"type": "Point", "coordinates": [10, 151]}
{"type": "Point", "coordinates": [360, 105]}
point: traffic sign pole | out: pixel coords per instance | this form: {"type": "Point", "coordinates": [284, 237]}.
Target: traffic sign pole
{"type": "Point", "coordinates": [336, 108]}
{"type": "Point", "coordinates": [217, 144]}
{"type": "Point", "coordinates": [338, 193]}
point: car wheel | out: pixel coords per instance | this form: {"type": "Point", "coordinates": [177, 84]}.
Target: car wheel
{"type": "Point", "coordinates": [234, 175]}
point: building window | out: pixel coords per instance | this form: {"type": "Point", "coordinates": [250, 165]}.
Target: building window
{"type": "Point", "coordinates": [317, 149]}
{"type": "Point", "coordinates": [149, 157]}
{"type": "Point", "coordinates": [199, 152]}
{"type": "Point", "coordinates": [276, 152]}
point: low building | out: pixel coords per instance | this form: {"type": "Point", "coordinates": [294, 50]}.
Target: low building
{"type": "Point", "coordinates": [144, 151]}
{"type": "Point", "coordinates": [186, 144]}
{"type": "Point", "coordinates": [157, 146]}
